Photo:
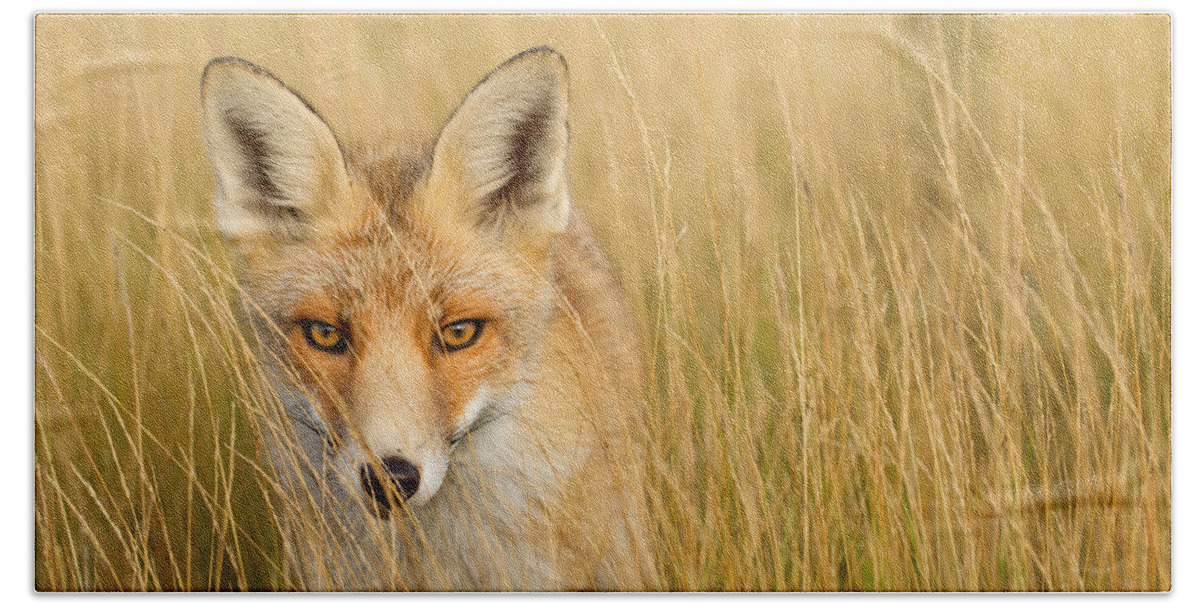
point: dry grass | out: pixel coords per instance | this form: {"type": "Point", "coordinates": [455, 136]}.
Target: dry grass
{"type": "Point", "coordinates": [905, 283]}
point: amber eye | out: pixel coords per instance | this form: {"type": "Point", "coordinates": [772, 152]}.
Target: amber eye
{"type": "Point", "coordinates": [459, 335]}
{"type": "Point", "coordinates": [324, 336]}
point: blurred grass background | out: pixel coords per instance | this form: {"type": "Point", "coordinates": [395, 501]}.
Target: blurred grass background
{"type": "Point", "coordinates": [905, 284]}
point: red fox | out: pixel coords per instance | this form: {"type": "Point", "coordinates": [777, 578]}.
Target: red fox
{"type": "Point", "coordinates": [451, 344]}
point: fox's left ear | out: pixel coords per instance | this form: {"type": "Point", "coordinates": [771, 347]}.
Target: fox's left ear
{"type": "Point", "coordinates": [280, 170]}
{"type": "Point", "coordinates": [503, 152]}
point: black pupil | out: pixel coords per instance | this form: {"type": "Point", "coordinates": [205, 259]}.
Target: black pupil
{"type": "Point", "coordinates": [324, 335]}
{"type": "Point", "coordinates": [459, 332]}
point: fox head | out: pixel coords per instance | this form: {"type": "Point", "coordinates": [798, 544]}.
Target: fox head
{"type": "Point", "coordinates": [410, 296]}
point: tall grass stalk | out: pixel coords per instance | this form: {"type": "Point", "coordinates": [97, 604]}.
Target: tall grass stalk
{"type": "Point", "coordinates": [904, 283]}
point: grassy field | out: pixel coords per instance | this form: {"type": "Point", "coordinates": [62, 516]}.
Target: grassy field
{"type": "Point", "coordinates": [905, 285]}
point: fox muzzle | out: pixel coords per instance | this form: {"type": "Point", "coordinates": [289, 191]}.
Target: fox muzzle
{"type": "Point", "coordinates": [398, 480]}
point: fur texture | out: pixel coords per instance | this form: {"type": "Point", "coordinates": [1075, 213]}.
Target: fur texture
{"type": "Point", "coordinates": [525, 439]}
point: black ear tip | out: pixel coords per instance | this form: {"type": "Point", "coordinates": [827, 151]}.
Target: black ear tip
{"type": "Point", "coordinates": [544, 49]}
{"type": "Point", "coordinates": [543, 52]}
{"type": "Point", "coordinates": [218, 63]}
{"type": "Point", "coordinates": [229, 64]}
{"type": "Point", "coordinates": [226, 60]}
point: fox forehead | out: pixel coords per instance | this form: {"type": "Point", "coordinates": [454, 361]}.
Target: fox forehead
{"type": "Point", "coordinates": [394, 263]}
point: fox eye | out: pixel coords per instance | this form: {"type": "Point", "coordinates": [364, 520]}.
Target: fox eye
{"type": "Point", "coordinates": [324, 336]}
{"type": "Point", "coordinates": [459, 335]}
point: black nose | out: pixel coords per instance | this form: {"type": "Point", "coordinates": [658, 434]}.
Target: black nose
{"type": "Point", "coordinates": [400, 475]}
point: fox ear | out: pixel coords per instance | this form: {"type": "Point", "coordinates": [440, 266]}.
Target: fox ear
{"type": "Point", "coordinates": [280, 171]}
{"type": "Point", "coordinates": [504, 150]}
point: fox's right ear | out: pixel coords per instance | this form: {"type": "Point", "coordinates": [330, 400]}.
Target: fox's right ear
{"type": "Point", "coordinates": [504, 151]}
{"type": "Point", "coordinates": [280, 170]}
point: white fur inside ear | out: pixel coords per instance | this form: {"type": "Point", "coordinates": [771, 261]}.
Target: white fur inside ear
{"type": "Point", "coordinates": [506, 145]}
{"type": "Point", "coordinates": [278, 165]}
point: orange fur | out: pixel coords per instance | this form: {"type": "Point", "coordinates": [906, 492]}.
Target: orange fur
{"type": "Point", "coordinates": [525, 440]}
